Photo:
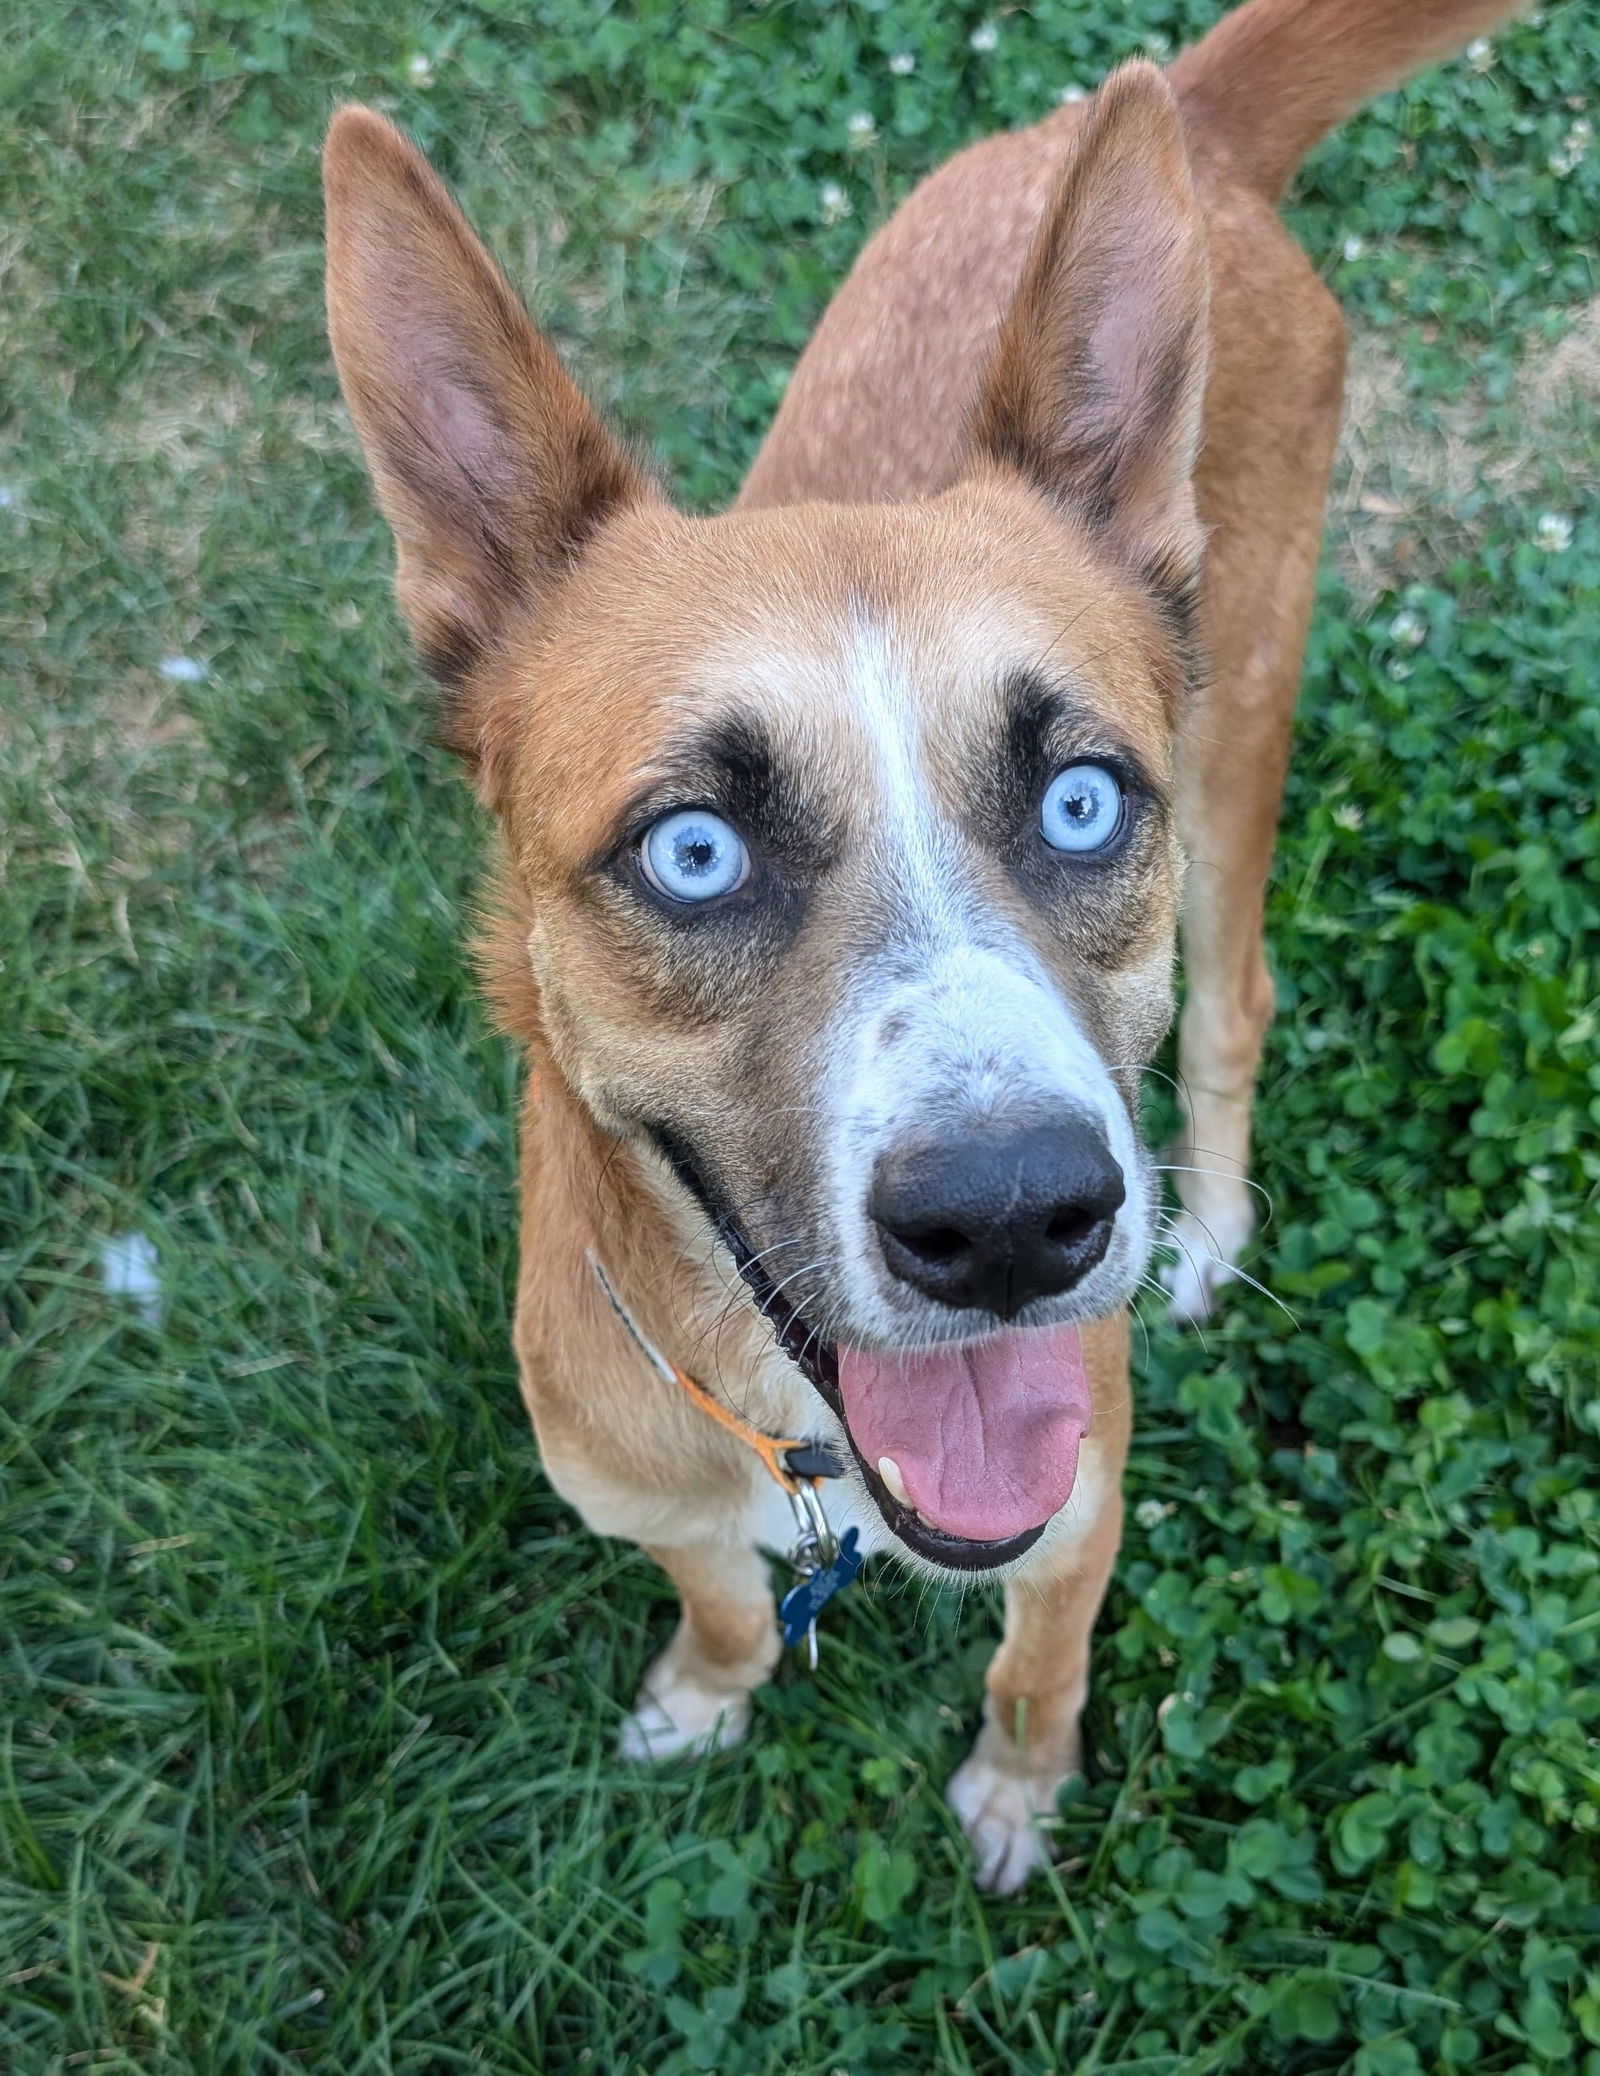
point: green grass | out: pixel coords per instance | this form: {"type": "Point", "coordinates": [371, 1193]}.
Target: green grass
{"type": "Point", "coordinates": [308, 1685]}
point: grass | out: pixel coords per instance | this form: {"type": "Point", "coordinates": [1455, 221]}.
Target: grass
{"type": "Point", "coordinates": [308, 1685]}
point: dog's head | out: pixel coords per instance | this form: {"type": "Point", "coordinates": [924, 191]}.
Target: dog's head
{"type": "Point", "coordinates": [843, 834]}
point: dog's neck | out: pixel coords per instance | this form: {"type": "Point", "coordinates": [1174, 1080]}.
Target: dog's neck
{"type": "Point", "coordinates": [591, 1190]}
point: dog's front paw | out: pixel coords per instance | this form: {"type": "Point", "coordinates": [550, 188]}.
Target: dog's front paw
{"type": "Point", "coordinates": [673, 1715]}
{"type": "Point", "coordinates": [1005, 1814]}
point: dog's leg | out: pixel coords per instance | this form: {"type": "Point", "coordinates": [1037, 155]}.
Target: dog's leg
{"type": "Point", "coordinates": [696, 1696]}
{"type": "Point", "coordinates": [1004, 1793]}
{"type": "Point", "coordinates": [1233, 758]}
{"type": "Point", "coordinates": [1272, 422]}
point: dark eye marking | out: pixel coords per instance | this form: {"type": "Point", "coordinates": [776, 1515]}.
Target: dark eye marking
{"type": "Point", "coordinates": [771, 829]}
{"type": "Point", "coordinates": [730, 767]}
{"type": "Point", "coordinates": [1044, 731]}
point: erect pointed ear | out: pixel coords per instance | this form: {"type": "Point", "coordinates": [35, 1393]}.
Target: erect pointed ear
{"type": "Point", "coordinates": [488, 463]}
{"type": "Point", "coordinates": [1097, 384]}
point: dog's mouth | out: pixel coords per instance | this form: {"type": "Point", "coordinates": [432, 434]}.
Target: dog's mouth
{"type": "Point", "coordinates": [968, 1449]}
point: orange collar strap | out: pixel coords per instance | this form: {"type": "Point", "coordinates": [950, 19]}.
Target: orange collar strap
{"type": "Point", "coordinates": [790, 1463]}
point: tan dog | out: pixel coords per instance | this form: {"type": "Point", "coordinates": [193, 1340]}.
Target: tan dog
{"type": "Point", "coordinates": [843, 836]}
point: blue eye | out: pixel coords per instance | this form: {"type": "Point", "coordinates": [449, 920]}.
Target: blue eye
{"type": "Point", "coordinates": [693, 856]}
{"type": "Point", "coordinates": [1082, 809]}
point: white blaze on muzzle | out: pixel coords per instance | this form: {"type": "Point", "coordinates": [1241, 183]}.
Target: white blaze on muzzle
{"type": "Point", "coordinates": [973, 1038]}
{"type": "Point", "coordinates": [953, 1023]}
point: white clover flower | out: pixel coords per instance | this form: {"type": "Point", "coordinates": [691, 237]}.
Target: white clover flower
{"type": "Point", "coordinates": [182, 670]}
{"type": "Point", "coordinates": [861, 128]}
{"type": "Point", "coordinates": [833, 200]}
{"type": "Point", "coordinates": [1553, 532]}
{"type": "Point", "coordinates": [419, 68]}
{"type": "Point", "coordinates": [984, 38]}
{"type": "Point", "coordinates": [1354, 247]}
{"type": "Point", "coordinates": [1158, 47]}
{"type": "Point", "coordinates": [1069, 94]}
{"type": "Point", "coordinates": [1348, 816]}
{"type": "Point", "coordinates": [1409, 629]}
{"type": "Point", "coordinates": [903, 63]}
{"type": "Point", "coordinates": [1150, 1513]}
{"type": "Point", "coordinates": [1573, 146]}
{"type": "Point", "coordinates": [1480, 54]}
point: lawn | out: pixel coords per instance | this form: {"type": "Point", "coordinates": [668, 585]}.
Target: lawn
{"type": "Point", "coordinates": [308, 1684]}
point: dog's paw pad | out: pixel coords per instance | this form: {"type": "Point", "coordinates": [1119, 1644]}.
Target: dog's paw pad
{"type": "Point", "coordinates": [685, 1719]}
{"type": "Point", "coordinates": [1005, 1820]}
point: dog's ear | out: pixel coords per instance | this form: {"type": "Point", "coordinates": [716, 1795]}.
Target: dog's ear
{"type": "Point", "coordinates": [488, 462]}
{"type": "Point", "coordinates": [1097, 384]}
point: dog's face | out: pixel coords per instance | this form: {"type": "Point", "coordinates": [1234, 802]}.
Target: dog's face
{"type": "Point", "coordinates": [811, 915]}
{"type": "Point", "coordinates": [844, 833]}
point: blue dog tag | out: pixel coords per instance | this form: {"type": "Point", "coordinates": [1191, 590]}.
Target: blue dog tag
{"type": "Point", "coordinates": [801, 1605]}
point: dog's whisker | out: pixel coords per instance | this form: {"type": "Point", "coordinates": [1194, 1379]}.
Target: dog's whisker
{"type": "Point", "coordinates": [1244, 1276]}
{"type": "Point", "coordinates": [1144, 1282]}
{"type": "Point", "coordinates": [1163, 1298]}
{"type": "Point", "coordinates": [1222, 1175]}
{"type": "Point", "coordinates": [1167, 1227]}
{"type": "Point", "coordinates": [1216, 1153]}
{"type": "Point", "coordinates": [733, 1306]}
{"type": "Point", "coordinates": [1138, 1067]}
{"type": "Point", "coordinates": [779, 1288]}
{"type": "Point", "coordinates": [775, 1247]}
{"type": "Point", "coordinates": [1169, 1231]}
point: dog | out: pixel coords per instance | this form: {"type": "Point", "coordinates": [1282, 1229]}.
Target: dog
{"type": "Point", "coordinates": [844, 839]}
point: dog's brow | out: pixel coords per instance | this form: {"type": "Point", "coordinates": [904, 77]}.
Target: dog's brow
{"type": "Point", "coordinates": [1045, 718]}
{"type": "Point", "coordinates": [729, 761]}
{"type": "Point", "coordinates": [733, 764]}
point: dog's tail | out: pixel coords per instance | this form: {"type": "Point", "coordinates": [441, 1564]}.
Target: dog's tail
{"type": "Point", "coordinates": [1271, 78]}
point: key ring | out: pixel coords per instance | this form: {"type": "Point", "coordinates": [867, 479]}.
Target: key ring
{"type": "Point", "coordinates": [813, 1533]}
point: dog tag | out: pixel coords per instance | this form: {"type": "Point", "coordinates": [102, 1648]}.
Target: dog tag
{"type": "Point", "coordinates": [800, 1606]}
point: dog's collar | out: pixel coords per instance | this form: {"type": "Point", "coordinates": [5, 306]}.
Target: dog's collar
{"type": "Point", "coordinates": [792, 1465]}
{"type": "Point", "coordinates": [825, 1564]}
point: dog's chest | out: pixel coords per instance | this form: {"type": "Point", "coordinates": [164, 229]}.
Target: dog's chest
{"type": "Point", "coordinates": [773, 1521]}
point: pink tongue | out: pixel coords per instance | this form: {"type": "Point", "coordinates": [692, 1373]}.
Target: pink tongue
{"type": "Point", "coordinates": [986, 1435]}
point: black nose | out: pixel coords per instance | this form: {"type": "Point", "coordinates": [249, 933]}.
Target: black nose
{"type": "Point", "coordinates": [991, 1220]}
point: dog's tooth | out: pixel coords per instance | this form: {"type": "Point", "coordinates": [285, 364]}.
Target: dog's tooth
{"type": "Point", "coordinates": [889, 1471]}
